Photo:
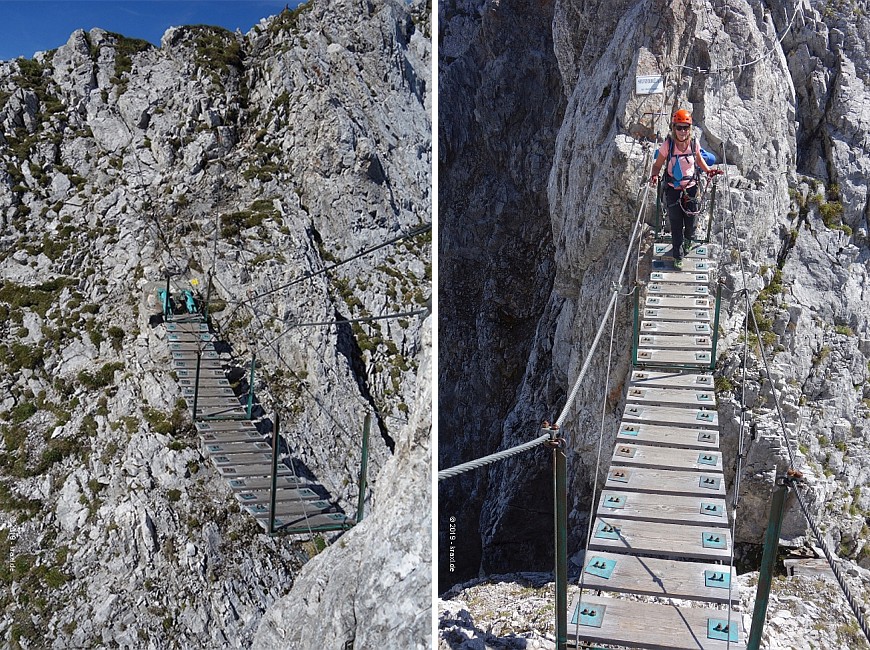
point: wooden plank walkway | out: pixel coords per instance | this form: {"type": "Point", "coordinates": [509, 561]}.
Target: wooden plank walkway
{"type": "Point", "coordinates": [236, 448]}
{"type": "Point", "coordinates": [661, 526]}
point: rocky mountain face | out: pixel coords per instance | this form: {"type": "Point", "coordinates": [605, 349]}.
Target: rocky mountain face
{"type": "Point", "coordinates": [780, 93]}
{"type": "Point", "coordinates": [243, 162]}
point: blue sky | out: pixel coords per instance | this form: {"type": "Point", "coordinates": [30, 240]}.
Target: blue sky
{"type": "Point", "coordinates": [28, 26]}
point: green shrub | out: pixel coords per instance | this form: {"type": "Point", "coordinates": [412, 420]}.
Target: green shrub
{"type": "Point", "coordinates": [100, 379]}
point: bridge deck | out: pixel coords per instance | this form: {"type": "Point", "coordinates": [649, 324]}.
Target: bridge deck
{"type": "Point", "coordinates": [661, 526]}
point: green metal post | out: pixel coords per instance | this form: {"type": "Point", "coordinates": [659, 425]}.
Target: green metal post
{"type": "Point", "coordinates": [196, 381]}
{"type": "Point", "coordinates": [167, 309]}
{"type": "Point", "coordinates": [658, 211]}
{"type": "Point", "coordinates": [710, 216]}
{"type": "Point", "coordinates": [363, 469]}
{"type": "Point", "coordinates": [765, 574]}
{"type": "Point", "coordinates": [207, 298]}
{"type": "Point", "coordinates": [635, 340]}
{"type": "Point", "coordinates": [251, 386]}
{"type": "Point", "coordinates": [275, 440]}
{"type": "Point", "coordinates": [715, 341]}
{"type": "Point", "coordinates": [560, 499]}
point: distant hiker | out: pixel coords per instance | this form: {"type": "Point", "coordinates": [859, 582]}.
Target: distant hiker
{"type": "Point", "coordinates": [680, 154]}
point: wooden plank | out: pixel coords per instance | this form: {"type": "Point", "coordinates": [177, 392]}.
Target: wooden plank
{"type": "Point", "coordinates": [304, 525]}
{"type": "Point", "coordinates": [681, 437]}
{"type": "Point", "coordinates": [652, 626]}
{"type": "Point", "coordinates": [691, 511]}
{"type": "Point", "coordinates": [186, 327]}
{"type": "Point", "coordinates": [204, 364]}
{"type": "Point", "coordinates": [677, 303]}
{"type": "Point", "coordinates": [633, 455]}
{"type": "Point", "coordinates": [653, 356]}
{"type": "Point", "coordinates": [657, 539]}
{"type": "Point", "coordinates": [192, 336]}
{"type": "Point", "coordinates": [281, 494]}
{"type": "Point", "coordinates": [191, 346]}
{"type": "Point", "coordinates": [671, 379]}
{"type": "Point", "coordinates": [682, 278]}
{"type": "Point", "coordinates": [191, 355]}
{"type": "Point", "coordinates": [285, 508]}
{"type": "Point", "coordinates": [241, 447]}
{"type": "Point", "coordinates": [187, 372]}
{"type": "Point", "coordinates": [689, 265]}
{"type": "Point", "coordinates": [254, 458]}
{"type": "Point", "coordinates": [677, 289]}
{"type": "Point", "coordinates": [215, 401]}
{"type": "Point", "coordinates": [238, 471]}
{"type": "Point", "coordinates": [675, 341]}
{"type": "Point", "coordinates": [214, 426]}
{"type": "Point", "coordinates": [661, 577]}
{"type": "Point", "coordinates": [676, 327]}
{"type": "Point", "coordinates": [665, 481]}
{"type": "Point", "coordinates": [682, 315]}
{"type": "Point", "coordinates": [229, 437]}
{"type": "Point", "coordinates": [671, 397]}
{"type": "Point", "coordinates": [215, 413]}
{"type": "Point", "coordinates": [264, 483]}
{"type": "Point", "coordinates": [703, 419]}
{"type": "Point", "coordinates": [209, 391]}
{"type": "Point", "coordinates": [217, 381]}
{"type": "Point", "coordinates": [699, 251]}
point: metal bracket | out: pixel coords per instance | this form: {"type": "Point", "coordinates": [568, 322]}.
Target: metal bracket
{"type": "Point", "coordinates": [718, 628]}
{"type": "Point", "coordinates": [717, 579]}
{"type": "Point", "coordinates": [588, 615]}
{"type": "Point", "coordinates": [656, 275]}
{"type": "Point", "coordinates": [705, 416]}
{"type": "Point", "coordinates": [704, 379]}
{"type": "Point", "coordinates": [619, 475]}
{"type": "Point", "coordinates": [701, 251]}
{"type": "Point", "coordinates": [606, 531]}
{"type": "Point", "coordinates": [701, 314]}
{"type": "Point", "coordinates": [636, 392]}
{"type": "Point", "coordinates": [646, 339]}
{"type": "Point", "coordinates": [702, 340]}
{"type": "Point", "coordinates": [703, 397]}
{"type": "Point", "coordinates": [629, 430]}
{"type": "Point", "coordinates": [709, 482]}
{"type": "Point", "coordinates": [701, 327]}
{"type": "Point", "coordinates": [700, 266]}
{"type": "Point", "coordinates": [625, 451]}
{"type": "Point", "coordinates": [713, 540]}
{"type": "Point", "coordinates": [601, 567]}
{"type": "Point", "coordinates": [701, 277]}
{"type": "Point", "coordinates": [660, 248]}
{"type": "Point", "coordinates": [702, 291]}
{"type": "Point", "coordinates": [613, 500]}
{"type": "Point", "coordinates": [711, 509]}
{"type": "Point", "coordinates": [706, 437]}
{"type": "Point", "coordinates": [653, 300]}
{"type": "Point", "coordinates": [644, 354]}
{"type": "Point", "coordinates": [708, 459]}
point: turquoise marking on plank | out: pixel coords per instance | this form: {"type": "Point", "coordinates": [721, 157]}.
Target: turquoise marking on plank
{"type": "Point", "coordinates": [708, 459]}
{"type": "Point", "coordinates": [706, 437]}
{"type": "Point", "coordinates": [704, 416]}
{"type": "Point", "coordinates": [660, 248]}
{"type": "Point", "coordinates": [601, 567]}
{"type": "Point", "coordinates": [588, 615]}
{"type": "Point", "coordinates": [713, 540]}
{"type": "Point", "coordinates": [711, 509]}
{"type": "Point", "coordinates": [606, 531]}
{"type": "Point", "coordinates": [718, 628]}
{"type": "Point", "coordinates": [629, 430]}
{"type": "Point", "coordinates": [710, 482]}
{"type": "Point", "coordinates": [717, 579]}
{"type": "Point", "coordinates": [614, 501]}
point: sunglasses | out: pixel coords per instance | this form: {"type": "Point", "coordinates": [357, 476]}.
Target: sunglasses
{"type": "Point", "coordinates": [683, 127]}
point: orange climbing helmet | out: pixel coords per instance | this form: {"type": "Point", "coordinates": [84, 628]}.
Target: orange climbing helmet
{"type": "Point", "coordinates": [682, 116]}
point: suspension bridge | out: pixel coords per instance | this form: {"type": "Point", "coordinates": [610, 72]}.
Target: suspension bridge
{"type": "Point", "coordinates": [230, 437]}
{"type": "Point", "coordinates": [658, 567]}
{"type": "Point", "coordinates": [661, 523]}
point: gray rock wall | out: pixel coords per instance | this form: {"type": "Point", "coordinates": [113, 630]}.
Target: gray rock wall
{"type": "Point", "coordinates": [259, 158]}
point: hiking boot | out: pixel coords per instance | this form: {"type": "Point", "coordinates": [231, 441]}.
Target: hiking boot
{"type": "Point", "coordinates": [687, 246]}
{"type": "Point", "coordinates": [678, 264]}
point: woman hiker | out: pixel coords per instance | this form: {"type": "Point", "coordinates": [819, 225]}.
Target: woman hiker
{"type": "Point", "coordinates": [680, 153]}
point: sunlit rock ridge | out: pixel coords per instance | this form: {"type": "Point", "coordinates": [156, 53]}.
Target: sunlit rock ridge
{"type": "Point", "coordinates": [258, 159]}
